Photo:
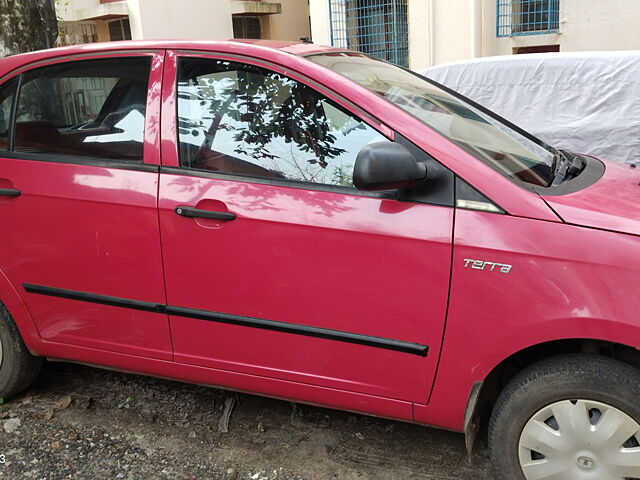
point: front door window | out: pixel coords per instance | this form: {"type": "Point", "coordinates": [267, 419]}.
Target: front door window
{"type": "Point", "coordinates": [245, 120]}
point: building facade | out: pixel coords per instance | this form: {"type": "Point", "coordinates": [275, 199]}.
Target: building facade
{"type": "Point", "coordinates": [423, 33]}
{"type": "Point", "coordinates": [86, 21]}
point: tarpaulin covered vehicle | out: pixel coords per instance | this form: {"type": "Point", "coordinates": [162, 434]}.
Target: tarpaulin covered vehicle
{"type": "Point", "coordinates": [586, 102]}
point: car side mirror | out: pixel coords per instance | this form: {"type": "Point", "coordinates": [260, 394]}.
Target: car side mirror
{"type": "Point", "coordinates": [387, 166]}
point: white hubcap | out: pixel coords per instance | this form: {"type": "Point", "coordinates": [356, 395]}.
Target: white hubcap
{"type": "Point", "coordinates": [580, 439]}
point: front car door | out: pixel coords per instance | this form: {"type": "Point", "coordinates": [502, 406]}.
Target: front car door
{"type": "Point", "coordinates": [275, 264]}
{"type": "Point", "coordinates": [79, 215]}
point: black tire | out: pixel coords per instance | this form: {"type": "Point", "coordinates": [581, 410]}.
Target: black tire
{"type": "Point", "coordinates": [18, 368]}
{"type": "Point", "coordinates": [564, 377]}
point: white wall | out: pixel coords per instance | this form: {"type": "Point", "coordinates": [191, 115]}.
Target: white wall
{"type": "Point", "coordinates": [599, 25]}
{"type": "Point", "coordinates": [584, 25]}
{"type": "Point", "coordinates": [452, 27]}
{"type": "Point", "coordinates": [320, 25]}
{"type": "Point", "coordinates": [421, 31]}
{"type": "Point", "coordinates": [170, 19]}
{"type": "Point", "coordinates": [68, 11]}
{"type": "Point", "coordinates": [292, 23]}
{"type": "Point", "coordinates": [162, 19]}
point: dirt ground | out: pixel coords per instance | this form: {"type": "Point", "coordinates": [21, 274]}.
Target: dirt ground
{"type": "Point", "coordinates": [83, 423]}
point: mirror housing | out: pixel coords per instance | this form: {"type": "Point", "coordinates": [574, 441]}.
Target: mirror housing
{"type": "Point", "coordinates": [387, 166]}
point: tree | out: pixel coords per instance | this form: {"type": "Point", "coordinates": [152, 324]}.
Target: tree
{"type": "Point", "coordinates": [27, 25]}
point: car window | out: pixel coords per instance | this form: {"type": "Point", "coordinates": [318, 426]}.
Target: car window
{"type": "Point", "coordinates": [6, 100]}
{"type": "Point", "coordinates": [90, 108]}
{"type": "Point", "coordinates": [483, 136]}
{"type": "Point", "coordinates": [242, 119]}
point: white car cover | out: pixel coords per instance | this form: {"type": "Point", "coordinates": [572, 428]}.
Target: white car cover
{"type": "Point", "coordinates": [586, 102]}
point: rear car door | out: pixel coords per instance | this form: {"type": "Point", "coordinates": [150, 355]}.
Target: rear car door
{"type": "Point", "coordinates": [275, 264]}
{"type": "Point", "coordinates": [79, 174]}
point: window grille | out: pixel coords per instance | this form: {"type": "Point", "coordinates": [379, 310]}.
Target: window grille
{"type": "Point", "coordinates": [246, 26]}
{"type": "Point", "coordinates": [119, 29]}
{"type": "Point", "coordinates": [376, 27]}
{"type": "Point", "coordinates": [527, 17]}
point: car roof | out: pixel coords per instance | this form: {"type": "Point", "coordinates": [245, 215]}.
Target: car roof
{"type": "Point", "coordinates": [270, 48]}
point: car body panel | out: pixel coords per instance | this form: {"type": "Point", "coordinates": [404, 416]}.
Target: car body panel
{"type": "Point", "coordinates": [611, 203]}
{"type": "Point", "coordinates": [565, 282]}
{"type": "Point", "coordinates": [241, 382]}
{"type": "Point", "coordinates": [86, 239]}
{"type": "Point", "coordinates": [14, 303]}
{"type": "Point", "coordinates": [84, 227]}
{"type": "Point", "coordinates": [300, 257]}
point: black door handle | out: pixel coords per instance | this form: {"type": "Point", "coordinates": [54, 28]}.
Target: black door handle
{"type": "Point", "coordinates": [192, 212]}
{"type": "Point", "coordinates": [9, 192]}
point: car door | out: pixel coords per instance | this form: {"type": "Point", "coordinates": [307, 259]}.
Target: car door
{"type": "Point", "coordinates": [78, 203]}
{"type": "Point", "coordinates": [275, 265]}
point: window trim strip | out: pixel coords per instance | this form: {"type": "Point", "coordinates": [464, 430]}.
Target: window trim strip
{"type": "Point", "coordinates": [119, 164]}
{"type": "Point", "coordinates": [12, 116]}
{"type": "Point", "coordinates": [230, 319]}
{"type": "Point", "coordinates": [276, 182]}
{"type": "Point", "coordinates": [78, 56]}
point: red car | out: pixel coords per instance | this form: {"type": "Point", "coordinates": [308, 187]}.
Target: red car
{"type": "Point", "coordinates": [318, 225]}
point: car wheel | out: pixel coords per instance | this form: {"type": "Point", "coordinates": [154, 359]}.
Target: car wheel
{"type": "Point", "coordinates": [569, 417]}
{"type": "Point", "coordinates": [18, 368]}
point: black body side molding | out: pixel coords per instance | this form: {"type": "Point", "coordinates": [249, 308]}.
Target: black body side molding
{"type": "Point", "coordinates": [292, 328]}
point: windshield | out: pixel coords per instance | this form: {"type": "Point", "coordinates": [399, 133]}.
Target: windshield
{"type": "Point", "coordinates": [483, 136]}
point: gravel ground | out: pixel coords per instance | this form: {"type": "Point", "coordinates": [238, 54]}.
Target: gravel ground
{"type": "Point", "coordinates": [85, 423]}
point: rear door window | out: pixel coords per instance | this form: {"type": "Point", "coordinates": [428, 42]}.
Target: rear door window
{"type": "Point", "coordinates": [89, 108]}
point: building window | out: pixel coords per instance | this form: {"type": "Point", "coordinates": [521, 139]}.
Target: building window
{"type": "Point", "coordinates": [246, 26]}
{"type": "Point", "coordinates": [527, 17]}
{"type": "Point", "coordinates": [537, 49]}
{"type": "Point", "coordinates": [119, 30]}
{"type": "Point", "coordinates": [376, 27]}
